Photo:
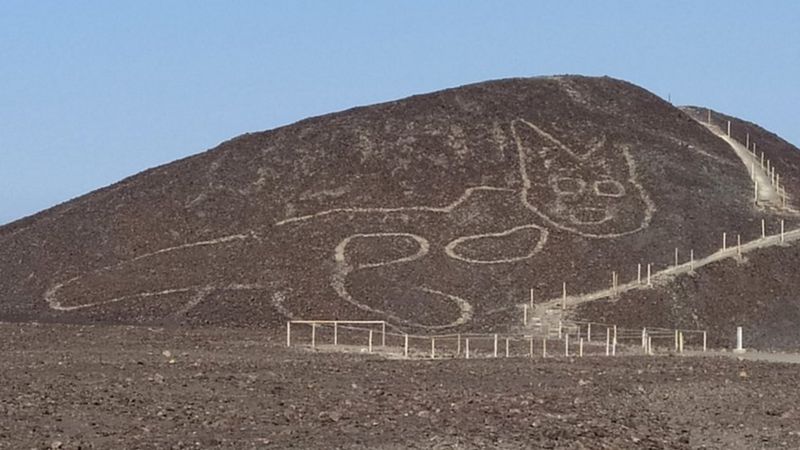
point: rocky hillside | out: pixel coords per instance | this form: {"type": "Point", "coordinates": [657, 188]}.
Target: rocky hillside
{"type": "Point", "coordinates": [758, 293]}
{"type": "Point", "coordinates": [435, 212]}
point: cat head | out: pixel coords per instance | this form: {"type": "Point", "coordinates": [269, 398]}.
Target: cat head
{"type": "Point", "coordinates": [588, 189]}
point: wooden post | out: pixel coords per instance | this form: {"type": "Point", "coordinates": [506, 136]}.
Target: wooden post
{"type": "Point", "coordinates": [458, 344]}
{"type": "Point", "coordinates": [466, 348]}
{"type": "Point", "coordinates": [288, 334]}
{"type": "Point", "coordinates": [763, 229]}
{"type": "Point", "coordinates": [650, 345]}
{"type": "Point", "coordinates": [644, 338]}
{"type": "Point", "coordinates": [531, 298]}
{"type": "Point", "coordinates": [559, 329]}
{"type": "Point", "coordinates": [589, 332]}
{"type": "Point", "coordinates": [580, 348]}
{"type": "Point", "coordinates": [525, 315]}
{"type": "Point", "coordinates": [729, 128]}
{"type": "Point", "coordinates": [335, 334]}
{"type": "Point", "coordinates": [756, 193]}
{"type": "Point", "coordinates": [433, 348]}
{"type": "Point", "coordinates": [370, 341]}
{"type": "Point", "coordinates": [739, 246]}
{"type": "Point", "coordinates": [724, 241]}
{"type": "Point", "coordinates": [676, 256]}
{"type": "Point", "coordinates": [564, 295]}
{"type": "Point", "coordinates": [639, 273]}
{"type": "Point", "coordinates": [762, 160]}
{"type": "Point", "coordinates": [613, 282]}
{"type": "Point", "coordinates": [608, 341]}
{"type": "Point", "coordinates": [507, 354]}
{"type": "Point", "coordinates": [383, 334]}
{"type": "Point", "coordinates": [566, 345]}
{"type": "Point", "coordinates": [531, 351]}
{"type": "Point", "coordinates": [405, 345]}
{"type": "Point", "coordinates": [680, 341]}
{"type": "Point", "coordinates": [739, 341]}
{"type": "Point", "coordinates": [544, 347]}
{"type": "Point", "coordinates": [676, 340]}
{"type": "Point", "coordinates": [691, 260]}
{"type": "Point", "coordinates": [748, 141]}
{"type": "Point", "coordinates": [709, 117]}
{"type": "Point", "coordinates": [495, 346]}
{"type": "Point", "coordinates": [614, 342]}
{"type": "Point", "coordinates": [704, 341]}
{"type": "Point", "coordinates": [783, 234]}
{"type": "Point", "coordinates": [649, 283]}
{"type": "Point", "coordinates": [313, 335]}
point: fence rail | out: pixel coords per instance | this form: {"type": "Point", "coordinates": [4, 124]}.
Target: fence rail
{"type": "Point", "coordinates": [372, 336]}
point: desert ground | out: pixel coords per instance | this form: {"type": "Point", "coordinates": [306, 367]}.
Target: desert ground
{"type": "Point", "coordinates": [71, 386]}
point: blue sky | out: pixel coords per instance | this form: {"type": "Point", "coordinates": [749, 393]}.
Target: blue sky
{"type": "Point", "coordinates": [94, 91]}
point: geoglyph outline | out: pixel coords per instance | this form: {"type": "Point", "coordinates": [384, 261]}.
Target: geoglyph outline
{"type": "Point", "coordinates": [337, 280]}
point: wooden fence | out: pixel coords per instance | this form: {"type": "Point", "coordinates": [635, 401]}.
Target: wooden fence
{"type": "Point", "coordinates": [575, 339]}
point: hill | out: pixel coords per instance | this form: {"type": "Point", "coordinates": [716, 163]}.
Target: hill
{"type": "Point", "coordinates": [436, 212]}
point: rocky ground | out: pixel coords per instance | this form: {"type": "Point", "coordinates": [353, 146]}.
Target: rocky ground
{"type": "Point", "coordinates": [139, 387]}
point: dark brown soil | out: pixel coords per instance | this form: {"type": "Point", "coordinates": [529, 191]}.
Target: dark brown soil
{"type": "Point", "coordinates": [138, 387]}
{"type": "Point", "coordinates": [627, 146]}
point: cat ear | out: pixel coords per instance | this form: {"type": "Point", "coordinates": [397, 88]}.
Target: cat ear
{"type": "Point", "coordinates": [540, 152]}
{"type": "Point", "coordinates": [615, 160]}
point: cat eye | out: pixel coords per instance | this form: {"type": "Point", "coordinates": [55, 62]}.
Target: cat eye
{"type": "Point", "coordinates": [568, 185]}
{"type": "Point", "coordinates": [609, 188]}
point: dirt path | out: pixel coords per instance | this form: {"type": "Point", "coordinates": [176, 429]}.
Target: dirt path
{"type": "Point", "coordinates": [663, 275]}
{"type": "Point", "coordinates": [769, 194]}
